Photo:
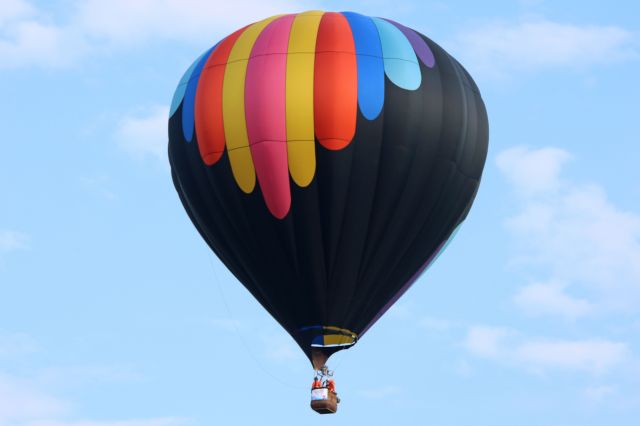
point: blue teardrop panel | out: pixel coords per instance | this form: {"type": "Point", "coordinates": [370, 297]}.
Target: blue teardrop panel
{"type": "Point", "coordinates": [370, 64]}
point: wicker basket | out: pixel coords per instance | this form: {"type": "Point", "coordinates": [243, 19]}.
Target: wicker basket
{"type": "Point", "coordinates": [324, 401]}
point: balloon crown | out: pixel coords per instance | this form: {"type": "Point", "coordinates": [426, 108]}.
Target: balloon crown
{"type": "Point", "coordinates": [268, 91]}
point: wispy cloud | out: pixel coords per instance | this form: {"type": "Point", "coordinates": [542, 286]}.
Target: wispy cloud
{"type": "Point", "coordinates": [16, 344]}
{"type": "Point", "coordinates": [595, 356]}
{"type": "Point", "coordinates": [532, 171]}
{"type": "Point", "coordinates": [162, 421]}
{"type": "Point", "coordinates": [486, 341]}
{"type": "Point", "coordinates": [31, 399]}
{"type": "Point", "coordinates": [14, 9]}
{"type": "Point", "coordinates": [23, 403]}
{"type": "Point", "coordinates": [550, 298]}
{"type": "Point", "coordinates": [30, 35]}
{"type": "Point", "coordinates": [502, 48]}
{"type": "Point", "coordinates": [126, 22]}
{"type": "Point", "coordinates": [571, 237]}
{"type": "Point", "coordinates": [13, 240]}
{"type": "Point", "coordinates": [145, 134]}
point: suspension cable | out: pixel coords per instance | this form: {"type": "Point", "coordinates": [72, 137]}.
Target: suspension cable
{"type": "Point", "coordinates": [237, 330]}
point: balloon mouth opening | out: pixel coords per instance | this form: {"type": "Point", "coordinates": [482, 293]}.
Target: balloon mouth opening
{"type": "Point", "coordinates": [321, 336]}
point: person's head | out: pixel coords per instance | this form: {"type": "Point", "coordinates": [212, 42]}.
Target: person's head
{"type": "Point", "coordinates": [315, 379]}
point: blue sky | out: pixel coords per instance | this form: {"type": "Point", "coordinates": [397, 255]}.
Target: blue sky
{"type": "Point", "coordinates": [114, 313]}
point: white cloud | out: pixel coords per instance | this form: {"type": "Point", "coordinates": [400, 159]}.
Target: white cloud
{"type": "Point", "coordinates": [486, 341]}
{"type": "Point", "coordinates": [23, 403]}
{"type": "Point", "coordinates": [16, 344]}
{"type": "Point", "coordinates": [570, 233]}
{"type": "Point", "coordinates": [31, 401]}
{"type": "Point", "coordinates": [162, 421]}
{"type": "Point", "coordinates": [30, 42]}
{"type": "Point", "coordinates": [125, 21]}
{"type": "Point", "coordinates": [532, 171]}
{"type": "Point", "coordinates": [14, 9]}
{"type": "Point", "coordinates": [145, 134]}
{"type": "Point", "coordinates": [13, 240]}
{"type": "Point", "coordinates": [30, 36]}
{"type": "Point", "coordinates": [500, 48]}
{"type": "Point", "coordinates": [595, 356]}
{"type": "Point", "coordinates": [551, 298]}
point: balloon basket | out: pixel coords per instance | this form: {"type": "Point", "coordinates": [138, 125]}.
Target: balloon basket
{"type": "Point", "coordinates": [323, 401]}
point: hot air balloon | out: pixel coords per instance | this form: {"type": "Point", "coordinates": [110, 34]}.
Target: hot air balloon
{"type": "Point", "coordinates": [327, 159]}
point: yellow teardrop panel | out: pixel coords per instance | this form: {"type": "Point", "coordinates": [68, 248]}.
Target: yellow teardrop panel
{"type": "Point", "coordinates": [299, 86]}
{"type": "Point", "coordinates": [235, 127]}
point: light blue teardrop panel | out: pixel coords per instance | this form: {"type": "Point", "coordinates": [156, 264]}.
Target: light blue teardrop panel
{"type": "Point", "coordinates": [400, 62]}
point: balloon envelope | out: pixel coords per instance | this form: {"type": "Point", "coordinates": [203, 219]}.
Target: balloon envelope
{"type": "Point", "coordinates": [326, 159]}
